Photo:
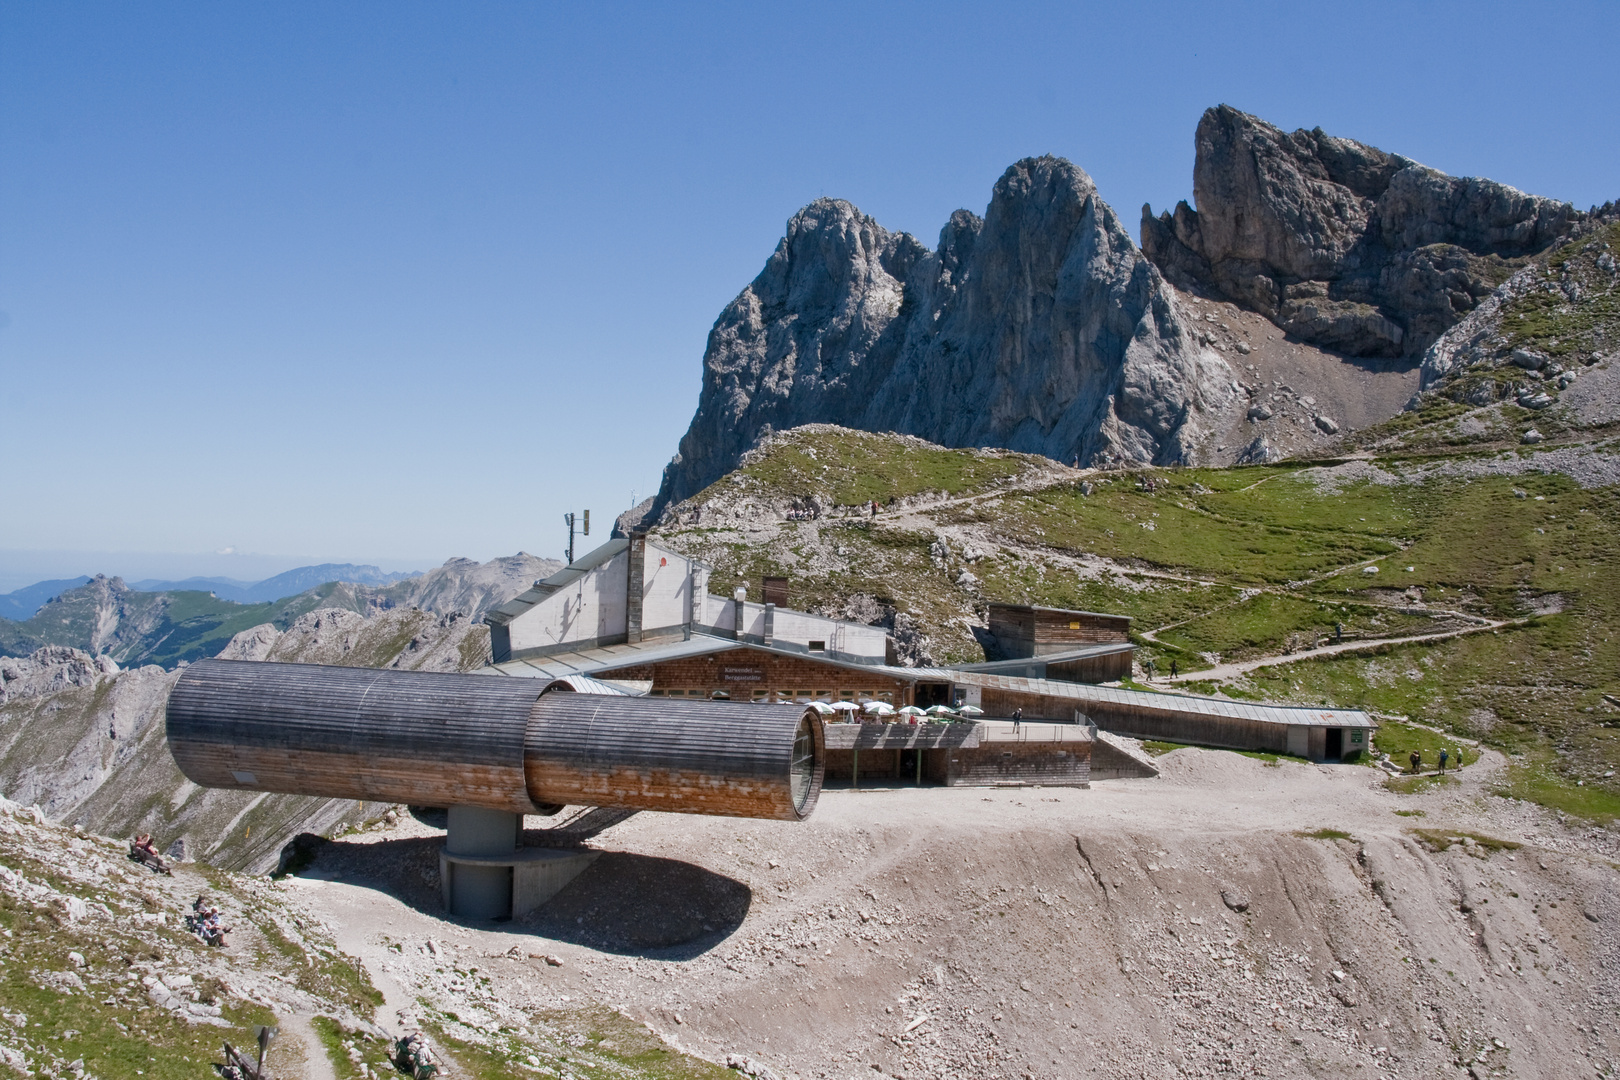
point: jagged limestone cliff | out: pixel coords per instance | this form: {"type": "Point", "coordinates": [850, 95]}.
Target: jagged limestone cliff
{"type": "Point", "coordinates": [1040, 327]}
{"type": "Point", "coordinates": [1342, 244]}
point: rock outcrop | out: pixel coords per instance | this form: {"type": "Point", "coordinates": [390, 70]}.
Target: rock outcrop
{"type": "Point", "coordinates": [1342, 244]}
{"type": "Point", "coordinates": [85, 740]}
{"type": "Point", "coordinates": [1040, 327]}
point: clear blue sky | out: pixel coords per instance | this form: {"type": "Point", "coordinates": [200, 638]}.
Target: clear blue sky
{"type": "Point", "coordinates": [393, 282]}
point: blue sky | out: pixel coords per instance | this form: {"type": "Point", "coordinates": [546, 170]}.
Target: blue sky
{"type": "Point", "coordinates": [394, 282]}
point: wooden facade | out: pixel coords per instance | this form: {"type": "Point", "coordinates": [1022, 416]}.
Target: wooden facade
{"type": "Point", "coordinates": [432, 739]}
{"type": "Point", "coordinates": [1023, 630]}
{"type": "Point", "coordinates": [759, 675]}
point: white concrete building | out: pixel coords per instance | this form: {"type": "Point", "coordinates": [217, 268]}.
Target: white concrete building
{"type": "Point", "coordinates": [632, 591]}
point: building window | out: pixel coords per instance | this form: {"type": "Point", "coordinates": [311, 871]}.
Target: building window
{"type": "Point", "coordinates": [818, 646]}
{"type": "Point", "coordinates": [759, 695]}
{"type": "Point", "coordinates": [802, 695]}
{"type": "Point", "coordinates": [846, 695]}
{"type": "Point", "coordinates": [824, 694]}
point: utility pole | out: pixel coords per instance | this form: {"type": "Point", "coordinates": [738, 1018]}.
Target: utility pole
{"type": "Point", "coordinates": [568, 518]}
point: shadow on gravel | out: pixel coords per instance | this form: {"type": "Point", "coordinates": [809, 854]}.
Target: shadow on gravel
{"type": "Point", "coordinates": [634, 905]}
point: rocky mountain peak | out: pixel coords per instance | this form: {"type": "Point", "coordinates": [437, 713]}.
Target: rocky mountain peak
{"type": "Point", "coordinates": [1039, 327]}
{"type": "Point", "coordinates": [1343, 244]}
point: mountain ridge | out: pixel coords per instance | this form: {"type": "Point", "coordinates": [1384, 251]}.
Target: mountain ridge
{"type": "Point", "coordinates": [1040, 327]}
{"type": "Point", "coordinates": [106, 617]}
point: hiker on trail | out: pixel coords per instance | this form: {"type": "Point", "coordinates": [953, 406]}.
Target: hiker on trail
{"type": "Point", "coordinates": [1444, 754]}
{"type": "Point", "coordinates": [1018, 717]}
{"type": "Point", "coordinates": [1417, 762]}
{"type": "Point", "coordinates": [1172, 669]}
{"type": "Point", "coordinates": [1338, 632]}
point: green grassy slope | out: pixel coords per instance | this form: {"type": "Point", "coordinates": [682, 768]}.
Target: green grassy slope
{"type": "Point", "coordinates": [1224, 566]}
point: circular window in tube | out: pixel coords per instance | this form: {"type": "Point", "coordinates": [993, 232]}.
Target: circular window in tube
{"type": "Point", "coordinates": [803, 773]}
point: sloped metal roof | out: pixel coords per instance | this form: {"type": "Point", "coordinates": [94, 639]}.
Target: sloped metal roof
{"type": "Point", "coordinates": [993, 667]}
{"type": "Point", "coordinates": [1184, 704]}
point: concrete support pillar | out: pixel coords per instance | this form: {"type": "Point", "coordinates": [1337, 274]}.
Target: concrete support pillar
{"type": "Point", "coordinates": [471, 890]}
{"type": "Point", "coordinates": [483, 874]}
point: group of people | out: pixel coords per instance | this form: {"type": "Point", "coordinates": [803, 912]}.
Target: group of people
{"type": "Point", "coordinates": [1416, 760]}
{"type": "Point", "coordinates": [872, 506]}
{"type": "Point", "coordinates": [204, 922]}
{"type": "Point", "coordinates": [143, 850]}
{"type": "Point", "coordinates": [413, 1055]}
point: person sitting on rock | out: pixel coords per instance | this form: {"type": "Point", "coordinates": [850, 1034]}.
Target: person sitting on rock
{"type": "Point", "coordinates": [142, 850]}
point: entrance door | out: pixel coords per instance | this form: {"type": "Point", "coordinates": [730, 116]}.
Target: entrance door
{"type": "Point", "coordinates": [1334, 750]}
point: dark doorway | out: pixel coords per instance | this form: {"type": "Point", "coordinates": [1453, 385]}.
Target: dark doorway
{"type": "Point", "coordinates": [930, 693]}
{"type": "Point", "coordinates": [1334, 748]}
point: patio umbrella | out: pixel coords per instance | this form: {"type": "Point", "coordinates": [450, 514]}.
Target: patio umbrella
{"type": "Point", "coordinates": [912, 710]}
{"type": "Point", "coordinates": [940, 710]}
{"type": "Point", "coordinates": [845, 706]}
{"type": "Point", "coordinates": [822, 707]}
{"type": "Point", "coordinates": [970, 710]}
{"type": "Point", "coordinates": [879, 708]}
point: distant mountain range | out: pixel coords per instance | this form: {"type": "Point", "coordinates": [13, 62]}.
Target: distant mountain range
{"type": "Point", "coordinates": [291, 583]}
{"type": "Point", "coordinates": [187, 620]}
{"type": "Point", "coordinates": [25, 603]}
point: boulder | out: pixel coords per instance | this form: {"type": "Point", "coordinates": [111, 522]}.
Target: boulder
{"type": "Point", "coordinates": [1528, 359]}
{"type": "Point", "coordinates": [1257, 452]}
{"type": "Point", "coordinates": [1326, 425]}
{"type": "Point", "coordinates": [1531, 437]}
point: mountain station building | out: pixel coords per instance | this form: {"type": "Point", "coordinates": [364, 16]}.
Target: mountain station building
{"type": "Point", "coordinates": [637, 618]}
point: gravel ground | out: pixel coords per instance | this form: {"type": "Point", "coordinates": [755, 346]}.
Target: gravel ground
{"type": "Point", "coordinates": [1182, 926]}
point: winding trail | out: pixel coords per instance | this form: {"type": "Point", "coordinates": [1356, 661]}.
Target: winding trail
{"type": "Point", "coordinates": [1232, 671]}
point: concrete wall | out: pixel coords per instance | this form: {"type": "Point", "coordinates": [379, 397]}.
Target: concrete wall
{"type": "Point", "coordinates": [798, 629]}
{"type": "Point", "coordinates": [592, 609]}
{"type": "Point", "coordinates": [588, 609]}
{"type": "Point", "coordinates": [994, 763]}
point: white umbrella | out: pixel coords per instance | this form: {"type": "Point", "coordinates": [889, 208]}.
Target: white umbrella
{"type": "Point", "coordinates": [845, 706]}
{"type": "Point", "coordinates": [970, 710]}
{"type": "Point", "coordinates": [822, 707]}
{"type": "Point", "coordinates": [879, 708]}
{"type": "Point", "coordinates": [940, 710]}
{"type": "Point", "coordinates": [912, 710]}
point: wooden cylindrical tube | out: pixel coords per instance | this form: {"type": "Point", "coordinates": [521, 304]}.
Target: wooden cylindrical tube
{"type": "Point", "coordinates": [433, 739]}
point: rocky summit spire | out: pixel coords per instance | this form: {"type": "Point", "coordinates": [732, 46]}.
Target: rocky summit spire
{"type": "Point", "coordinates": [1040, 327]}
{"type": "Point", "coordinates": [1342, 244]}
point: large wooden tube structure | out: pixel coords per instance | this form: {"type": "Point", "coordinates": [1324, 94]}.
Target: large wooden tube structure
{"type": "Point", "coordinates": [505, 744]}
